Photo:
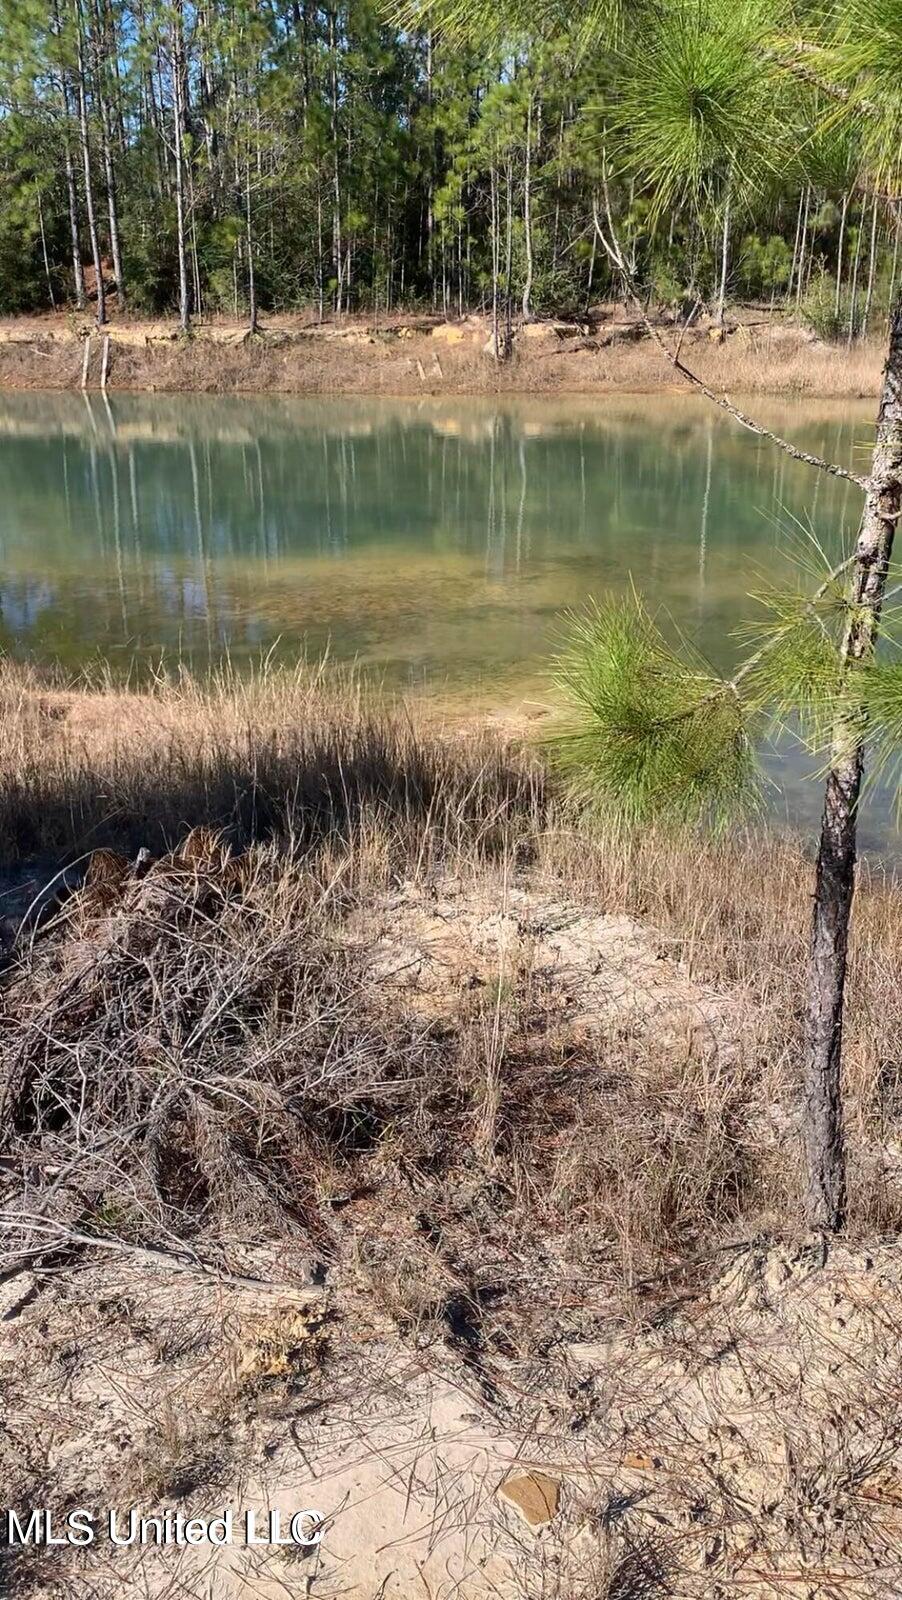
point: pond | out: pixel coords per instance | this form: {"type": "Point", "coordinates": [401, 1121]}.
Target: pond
{"type": "Point", "coordinates": [438, 543]}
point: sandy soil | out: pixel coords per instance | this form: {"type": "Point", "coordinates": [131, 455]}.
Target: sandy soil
{"type": "Point", "coordinates": [425, 356]}
{"type": "Point", "coordinates": [747, 1446]}
{"type": "Point", "coordinates": [742, 1441]}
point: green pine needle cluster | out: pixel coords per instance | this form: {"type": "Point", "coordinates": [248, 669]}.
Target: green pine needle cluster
{"type": "Point", "coordinates": [795, 668]}
{"type": "Point", "coordinates": [697, 96]}
{"type": "Point", "coordinates": [864, 54]}
{"type": "Point", "coordinates": [652, 734]}
{"type": "Point", "coordinates": [882, 692]}
{"type": "Point", "coordinates": [481, 22]}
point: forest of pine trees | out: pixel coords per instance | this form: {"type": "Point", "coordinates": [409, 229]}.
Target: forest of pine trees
{"type": "Point", "coordinates": [242, 156]}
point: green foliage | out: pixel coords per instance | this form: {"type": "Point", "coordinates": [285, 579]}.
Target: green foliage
{"type": "Point", "coordinates": [825, 316]}
{"type": "Point", "coordinates": [864, 54]}
{"type": "Point", "coordinates": [151, 267]}
{"type": "Point", "coordinates": [486, 22]}
{"type": "Point", "coordinates": [763, 266]}
{"type": "Point", "coordinates": [391, 158]}
{"type": "Point", "coordinates": [881, 685]}
{"type": "Point", "coordinates": [652, 733]}
{"type": "Point", "coordinates": [795, 668]}
{"type": "Point", "coordinates": [695, 108]}
{"type": "Point", "coordinates": [21, 277]}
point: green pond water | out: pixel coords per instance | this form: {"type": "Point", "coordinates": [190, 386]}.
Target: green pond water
{"type": "Point", "coordinates": [437, 543]}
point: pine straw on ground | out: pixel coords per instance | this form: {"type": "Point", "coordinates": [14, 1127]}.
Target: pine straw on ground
{"type": "Point", "coordinates": [341, 998]}
{"type": "Point", "coordinates": [212, 1044]}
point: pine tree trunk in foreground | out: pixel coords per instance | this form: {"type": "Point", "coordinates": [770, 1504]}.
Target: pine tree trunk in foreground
{"type": "Point", "coordinates": [825, 1201]}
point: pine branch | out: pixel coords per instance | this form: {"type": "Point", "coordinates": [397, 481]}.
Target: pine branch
{"type": "Point", "coordinates": [811, 603]}
{"type": "Point", "coordinates": [807, 75]}
{"type": "Point", "coordinates": [653, 732]}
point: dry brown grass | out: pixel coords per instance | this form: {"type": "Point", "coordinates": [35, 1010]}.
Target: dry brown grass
{"type": "Point", "coordinates": [213, 1047]}
{"type": "Point", "coordinates": [273, 753]}
{"type": "Point", "coordinates": [405, 359]}
{"type": "Point", "coordinates": [234, 1063]}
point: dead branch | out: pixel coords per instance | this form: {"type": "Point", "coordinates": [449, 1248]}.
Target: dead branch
{"type": "Point", "coordinates": [612, 249]}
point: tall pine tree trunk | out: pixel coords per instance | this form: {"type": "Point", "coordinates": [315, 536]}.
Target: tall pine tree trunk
{"type": "Point", "coordinates": [78, 271]}
{"type": "Point", "coordinates": [178, 113]}
{"type": "Point", "coordinates": [336, 164]}
{"type": "Point", "coordinates": [803, 240]}
{"type": "Point", "coordinates": [102, 51]}
{"type": "Point", "coordinates": [249, 236]}
{"type": "Point", "coordinates": [47, 273]}
{"type": "Point", "coordinates": [85, 138]}
{"type": "Point", "coordinates": [872, 268]}
{"type": "Point", "coordinates": [496, 256]}
{"type": "Point", "coordinates": [795, 248]}
{"type": "Point", "coordinates": [113, 209]}
{"type": "Point", "coordinates": [509, 259]}
{"type": "Point", "coordinates": [842, 235]}
{"type": "Point", "coordinates": [853, 298]}
{"type": "Point", "coordinates": [78, 274]}
{"type": "Point", "coordinates": [527, 214]}
{"type": "Point", "coordinates": [835, 874]}
{"type": "Point", "coordinates": [724, 260]}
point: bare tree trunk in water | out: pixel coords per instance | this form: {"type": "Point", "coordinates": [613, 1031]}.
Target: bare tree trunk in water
{"type": "Point", "coordinates": [835, 875]}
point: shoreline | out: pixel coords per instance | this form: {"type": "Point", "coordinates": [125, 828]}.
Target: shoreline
{"type": "Point", "coordinates": [426, 357]}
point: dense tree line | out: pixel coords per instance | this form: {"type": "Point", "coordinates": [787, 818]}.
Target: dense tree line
{"type": "Point", "coordinates": [245, 155]}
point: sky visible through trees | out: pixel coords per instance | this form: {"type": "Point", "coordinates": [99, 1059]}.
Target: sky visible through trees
{"type": "Point", "coordinates": [247, 156]}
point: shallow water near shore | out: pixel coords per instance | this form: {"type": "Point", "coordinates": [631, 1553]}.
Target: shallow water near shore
{"type": "Point", "coordinates": [438, 544]}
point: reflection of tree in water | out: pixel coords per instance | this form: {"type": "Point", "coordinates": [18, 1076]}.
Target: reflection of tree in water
{"type": "Point", "coordinates": [446, 537]}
